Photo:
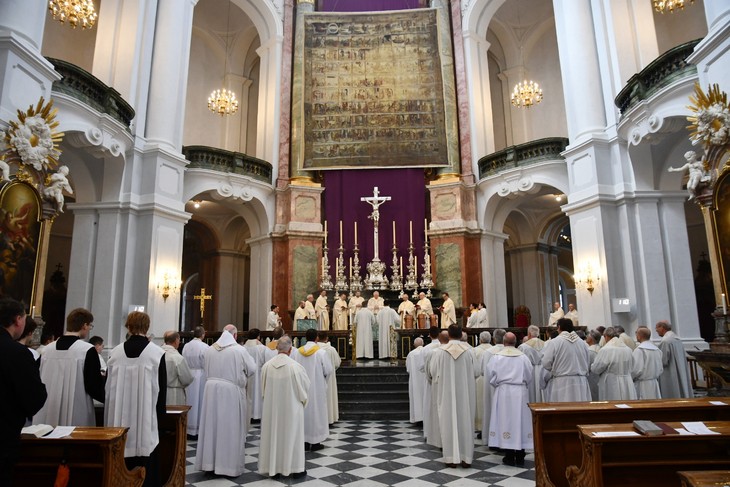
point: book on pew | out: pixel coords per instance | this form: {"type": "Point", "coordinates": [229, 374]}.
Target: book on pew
{"type": "Point", "coordinates": [650, 428]}
{"type": "Point", "coordinates": [36, 431]}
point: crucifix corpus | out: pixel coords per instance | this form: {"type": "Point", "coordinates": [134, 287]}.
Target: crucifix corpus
{"type": "Point", "coordinates": [375, 278]}
{"type": "Point", "coordinates": [203, 298]}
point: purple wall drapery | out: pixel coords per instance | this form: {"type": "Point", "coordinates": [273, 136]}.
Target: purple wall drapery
{"type": "Point", "coordinates": [367, 5]}
{"type": "Point", "coordinates": [343, 190]}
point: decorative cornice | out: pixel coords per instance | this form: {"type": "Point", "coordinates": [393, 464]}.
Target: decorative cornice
{"type": "Point", "coordinates": [522, 155]}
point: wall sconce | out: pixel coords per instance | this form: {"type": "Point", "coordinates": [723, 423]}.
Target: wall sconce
{"type": "Point", "coordinates": [167, 285]}
{"type": "Point", "coordinates": [587, 278]}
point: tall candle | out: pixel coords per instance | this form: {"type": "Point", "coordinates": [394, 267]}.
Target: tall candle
{"type": "Point", "coordinates": [425, 229]}
{"type": "Point", "coordinates": [724, 305]}
{"type": "Point", "coordinates": [325, 233]}
{"type": "Point", "coordinates": [32, 311]}
{"type": "Point", "coordinates": [403, 273]}
{"type": "Point", "coordinates": [351, 268]}
{"type": "Point", "coordinates": [355, 233]}
{"type": "Point", "coordinates": [393, 233]}
{"type": "Point", "coordinates": [340, 232]}
{"type": "Point", "coordinates": [410, 231]}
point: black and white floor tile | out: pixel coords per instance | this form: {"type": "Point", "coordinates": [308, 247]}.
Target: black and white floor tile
{"type": "Point", "coordinates": [374, 454]}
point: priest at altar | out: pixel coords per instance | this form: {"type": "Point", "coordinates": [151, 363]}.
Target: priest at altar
{"type": "Point", "coordinates": [376, 303]}
{"type": "Point", "coordinates": [339, 313]}
{"type": "Point", "coordinates": [448, 312]}
{"type": "Point", "coordinates": [424, 306]}
{"type": "Point", "coordinates": [364, 321]}
{"type": "Point", "coordinates": [406, 308]}
{"type": "Point", "coordinates": [321, 310]}
{"type": "Point", "coordinates": [353, 304]}
{"type": "Point", "coordinates": [309, 307]}
{"type": "Point", "coordinates": [300, 314]}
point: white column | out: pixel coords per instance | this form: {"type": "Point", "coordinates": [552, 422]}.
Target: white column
{"type": "Point", "coordinates": [480, 97]}
{"type": "Point", "coordinates": [579, 65]}
{"type": "Point", "coordinates": [25, 18]}
{"type": "Point", "coordinates": [267, 131]}
{"type": "Point", "coordinates": [717, 13]}
{"type": "Point", "coordinates": [710, 55]}
{"type": "Point", "coordinates": [169, 78]}
{"type": "Point", "coordinates": [262, 282]}
{"type": "Point", "coordinates": [493, 277]}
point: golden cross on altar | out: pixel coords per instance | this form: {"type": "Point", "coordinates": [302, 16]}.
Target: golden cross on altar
{"type": "Point", "coordinates": [203, 298]}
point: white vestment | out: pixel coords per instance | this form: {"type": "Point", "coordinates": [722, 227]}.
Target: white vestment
{"type": "Point", "coordinates": [375, 305]}
{"type": "Point", "coordinates": [452, 374]}
{"type": "Point", "coordinates": [272, 320]}
{"type": "Point", "coordinates": [406, 308]}
{"type": "Point", "coordinates": [132, 388]}
{"type": "Point", "coordinates": [567, 359]}
{"type": "Point", "coordinates": [194, 354]}
{"type": "Point", "coordinates": [416, 384]}
{"type": "Point", "coordinates": [647, 370]}
{"type": "Point", "coordinates": [488, 395]}
{"type": "Point", "coordinates": [535, 358]}
{"type": "Point", "coordinates": [333, 406]}
{"type": "Point", "coordinates": [478, 351]}
{"type": "Point", "coordinates": [284, 383]}
{"type": "Point", "coordinates": [471, 321]}
{"type": "Point", "coordinates": [300, 314]}
{"type": "Point", "coordinates": [387, 320]}
{"type": "Point", "coordinates": [510, 372]}
{"type": "Point", "coordinates": [364, 319]}
{"type": "Point", "coordinates": [628, 341]}
{"type": "Point", "coordinates": [482, 318]}
{"type": "Point", "coordinates": [675, 380]}
{"type": "Point", "coordinates": [613, 364]}
{"type": "Point", "coordinates": [340, 311]}
{"type": "Point", "coordinates": [257, 351]}
{"type": "Point", "coordinates": [555, 316]}
{"type": "Point", "coordinates": [178, 376]}
{"type": "Point", "coordinates": [317, 363]}
{"type": "Point", "coordinates": [448, 313]}
{"type": "Point", "coordinates": [352, 305]}
{"type": "Point", "coordinates": [322, 313]}
{"type": "Point", "coordinates": [62, 371]}
{"type": "Point", "coordinates": [430, 413]}
{"type": "Point", "coordinates": [224, 416]}
{"type": "Point", "coordinates": [572, 316]}
{"type": "Point", "coordinates": [309, 308]}
{"type": "Point", "coordinates": [425, 307]}
{"type": "Point", "coordinates": [592, 377]}
{"type": "Point", "coordinates": [271, 351]}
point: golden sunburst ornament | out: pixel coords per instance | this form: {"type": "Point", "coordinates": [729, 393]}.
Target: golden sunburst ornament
{"type": "Point", "coordinates": [32, 140]}
{"type": "Point", "coordinates": [710, 124]}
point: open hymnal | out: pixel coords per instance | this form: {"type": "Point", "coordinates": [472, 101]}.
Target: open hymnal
{"type": "Point", "coordinates": [36, 430]}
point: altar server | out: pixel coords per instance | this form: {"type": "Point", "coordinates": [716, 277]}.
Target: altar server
{"type": "Point", "coordinates": [194, 354]}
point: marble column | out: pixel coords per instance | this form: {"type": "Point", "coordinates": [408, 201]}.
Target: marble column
{"type": "Point", "coordinates": [297, 99]}
{"type": "Point", "coordinates": [282, 176]}
{"type": "Point", "coordinates": [25, 75]}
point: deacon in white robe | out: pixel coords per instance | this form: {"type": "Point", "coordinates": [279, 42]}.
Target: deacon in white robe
{"type": "Point", "coordinates": [647, 366]}
{"type": "Point", "coordinates": [485, 339]}
{"type": "Point", "coordinates": [317, 363]}
{"type": "Point", "coordinates": [482, 316]}
{"type": "Point", "coordinates": [675, 381]}
{"type": "Point", "coordinates": [452, 374]}
{"type": "Point", "coordinates": [179, 375]}
{"type": "Point", "coordinates": [340, 310]}
{"type": "Point", "coordinates": [387, 320]}
{"type": "Point", "coordinates": [613, 364]}
{"type": "Point", "coordinates": [333, 407]}
{"type": "Point", "coordinates": [322, 312]}
{"type": "Point", "coordinates": [488, 395]}
{"type": "Point", "coordinates": [430, 414]}
{"type": "Point", "coordinates": [448, 312]}
{"type": "Point", "coordinates": [194, 354]}
{"type": "Point", "coordinates": [406, 308]}
{"type": "Point", "coordinates": [71, 370]}
{"type": "Point", "coordinates": [354, 304]}
{"type": "Point", "coordinates": [567, 359]}
{"type": "Point", "coordinates": [416, 381]}
{"type": "Point", "coordinates": [424, 307]}
{"type": "Point", "coordinates": [224, 416]}
{"type": "Point", "coordinates": [376, 303]}
{"type": "Point", "coordinates": [285, 384]}
{"type": "Point", "coordinates": [257, 351]}
{"type": "Point", "coordinates": [272, 319]}
{"type": "Point", "coordinates": [556, 314]}
{"type": "Point", "coordinates": [510, 372]}
{"type": "Point", "coordinates": [364, 319]}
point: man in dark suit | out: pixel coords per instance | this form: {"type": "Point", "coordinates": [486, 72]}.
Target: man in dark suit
{"type": "Point", "coordinates": [21, 389]}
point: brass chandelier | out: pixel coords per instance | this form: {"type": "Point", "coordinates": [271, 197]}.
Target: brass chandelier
{"type": "Point", "coordinates": [75, 11]}
{"type": "Point", "coordinates": [662, 6]}
{"type": "Point", "coordinates": [526, 94]}
{"type": "Point", "coordinates": [223, 101]}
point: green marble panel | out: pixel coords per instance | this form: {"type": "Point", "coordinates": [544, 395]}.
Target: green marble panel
{"type": "Point", "coordinates": [304, 278]}
{"type": "Point", "coordinates": [448, 263]}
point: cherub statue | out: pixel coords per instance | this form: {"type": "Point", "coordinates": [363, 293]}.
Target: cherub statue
{"type": "Point", "coordinates": [697, 172]}
{"type": "Point", "coordinates": [4, 171]}
{"type": "Point", "coordinates": [59, 183]}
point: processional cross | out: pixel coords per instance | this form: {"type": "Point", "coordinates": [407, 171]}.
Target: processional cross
{"type": "Point", "coordinates": [375, 201]}
{"type": "Point", "coordinates": [203, 298]}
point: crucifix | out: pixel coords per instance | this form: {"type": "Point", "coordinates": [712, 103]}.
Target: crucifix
{"type": "Point", "coordinates": [375, 201]}
{"type": "Point", "coordinates": [203, 298]}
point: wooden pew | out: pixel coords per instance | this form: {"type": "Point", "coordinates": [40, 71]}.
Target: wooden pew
{"type": "Point", "coordinates": [710, 478]}
{"type": "Point", "coordinates": [646, 461]}
{"type": "Point", "coordinates": [555, 427]}
{"type": "Point", "coordinates": [95, 456]}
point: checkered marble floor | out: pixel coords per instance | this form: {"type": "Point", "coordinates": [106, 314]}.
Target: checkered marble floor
{"type": "Point", "coordinates": [374, 454]}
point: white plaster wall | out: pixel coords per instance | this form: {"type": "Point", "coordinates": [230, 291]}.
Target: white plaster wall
{"type": "Point", "coordinates": [75, 46]}
{"type": "Point", "coordinates": [681, 26]}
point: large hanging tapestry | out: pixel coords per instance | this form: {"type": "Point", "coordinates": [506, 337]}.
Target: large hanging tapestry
{"type": "Point", "coordinates": [373, 91]}
{"type": "Point", "coordinates": [721, 219]}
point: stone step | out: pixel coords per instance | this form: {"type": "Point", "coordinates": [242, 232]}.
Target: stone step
{"type": "Point", "coordinates": [368, 396]}
{"type": "Point", "coordinates": [373, 390]}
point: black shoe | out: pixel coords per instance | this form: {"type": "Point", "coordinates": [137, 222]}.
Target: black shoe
{"type": "Point", "coordinates": [193, 437]}
{"type": "Point", "coordinates": [255, 421]}
{"type": "Point", "coordinates": [316, 447]}
{"type": "Point", "coordinates": [299, 475]}
{"type": "Point", "coordinates": [275, 476]}
{"type": "Point", "coordinates": [479, 435]}
{"type": "Point", "coordinates": [466, 465]}
{"type": "Point", "coordinates": [307, 446]}
{"type": "Point", "coordinates": [520, 458]}
{"type": "Point", "coordinates": [509, 459]}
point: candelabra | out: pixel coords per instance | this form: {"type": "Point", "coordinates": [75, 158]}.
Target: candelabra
{"type": "Point", "coordinates": [411, 280]}
{"type": "Point", "coordinates": [355, 280]}
{"type": "Point", "coordinates": [341, 281]}
{"type": "Point", "coordinates": [396, 283]}
{"type": "Point", "coordinates": [326, 282]}
{"type": "Point", "coordinates": [426, 278]}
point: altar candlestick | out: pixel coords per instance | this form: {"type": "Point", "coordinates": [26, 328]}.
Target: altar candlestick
{"type": "Point", "coordinates": [325, 233]}
{"type": "Point", "coordinates": [724, 305]}
{"type": "Point", "coordinates": [410, 231]}
{"type": "Point", "coordinates": [425, 229]}
{"type": "Point", "coordinates": [355, 233]}
{"type": "Point", "coordinates": [340, 232]}
{"type": "Point", "coordinates": [415, 265]}
{"type": "Point", "coordinates": [393, 233]}
{"type": "Point", "coordinates": [401, 266]}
